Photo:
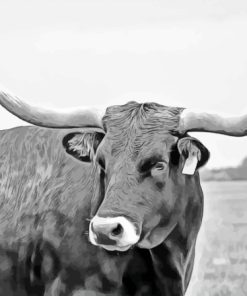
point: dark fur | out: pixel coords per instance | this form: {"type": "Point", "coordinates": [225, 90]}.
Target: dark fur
{"type": "Point", "coordinates": [48, 197]}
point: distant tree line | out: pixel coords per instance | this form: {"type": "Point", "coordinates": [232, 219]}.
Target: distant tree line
{"type": "Point", "coordinates": [226, 174]}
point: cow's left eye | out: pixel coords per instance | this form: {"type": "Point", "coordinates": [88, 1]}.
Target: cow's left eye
{"type": "Point", "coordinates": [158, 169]}
{"type": "Point", "coordinates": [160, 166]}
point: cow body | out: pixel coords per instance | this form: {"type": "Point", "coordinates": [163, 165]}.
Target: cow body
{"type": "Point", "coordinates": [49, 198]}
{"type": "Point", "coordinates": [46, 194]}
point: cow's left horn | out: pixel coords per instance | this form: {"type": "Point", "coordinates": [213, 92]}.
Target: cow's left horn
{"type": "Point", "coordinates": [212, 123]}
{"type": "Point", "coordinates": [80, 117]}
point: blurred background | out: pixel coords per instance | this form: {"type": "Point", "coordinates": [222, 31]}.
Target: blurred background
{"type": "Point", "coordinates": [183, 53]}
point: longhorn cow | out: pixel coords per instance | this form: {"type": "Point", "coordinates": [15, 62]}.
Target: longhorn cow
{"type": "Point", "coordinates": [108, 204]}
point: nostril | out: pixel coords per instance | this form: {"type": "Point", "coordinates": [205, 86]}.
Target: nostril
{"type": "Point", "coordinates": [117, 230]}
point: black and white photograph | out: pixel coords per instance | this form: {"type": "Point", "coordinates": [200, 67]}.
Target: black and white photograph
{"type": "Point", "coordinates": [123, 148]}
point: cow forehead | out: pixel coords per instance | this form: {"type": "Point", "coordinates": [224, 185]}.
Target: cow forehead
{"type": "Point", "coordinates": [150, 115]}
{"type": "Point", "coordinates": [157, 145]}
{"type": "Point", "coordinates": [134, 148]}
{"type": "Point", "coordinates": [134, 127]}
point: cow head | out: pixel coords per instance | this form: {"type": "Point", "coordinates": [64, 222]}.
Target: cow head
{"type": "Point", "coordinates": [145, 161]}
{"type": "Point", "coordinates": [139, 157]}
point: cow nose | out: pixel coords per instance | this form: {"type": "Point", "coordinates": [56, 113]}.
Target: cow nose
{"type": "Point", "coordinates": [113, 233]}
{"type": "Point", "coordinates": [112, 230]}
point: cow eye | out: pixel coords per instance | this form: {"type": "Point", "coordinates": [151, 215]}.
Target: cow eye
{"type": "Point", "coordinates": [151, 164]}
{"type": "Point", "coordinates": [157, 172]}
{"type": "Point", "coordinates": [160, 166]}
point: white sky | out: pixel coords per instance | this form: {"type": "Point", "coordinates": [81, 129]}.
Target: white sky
{"type": "Point", "coordinates": [184, 53]}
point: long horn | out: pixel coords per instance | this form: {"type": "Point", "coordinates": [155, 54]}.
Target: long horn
{"type": "Point", "coordinates": [212, 123]}
{"type": "Point", "coordinates": [50, 118]}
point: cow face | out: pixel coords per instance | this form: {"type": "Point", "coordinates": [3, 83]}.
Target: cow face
{"type": "Point", "coordinates": [140, 159]}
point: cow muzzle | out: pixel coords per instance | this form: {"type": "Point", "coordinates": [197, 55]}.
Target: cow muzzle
{"type": "Point", "coordinates": [113, 233]}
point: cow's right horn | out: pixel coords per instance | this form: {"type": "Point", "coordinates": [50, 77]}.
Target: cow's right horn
{"type": "Point", "coordinates": [80, 117]}
{"type": "Point", "coordinates": [212, 123]}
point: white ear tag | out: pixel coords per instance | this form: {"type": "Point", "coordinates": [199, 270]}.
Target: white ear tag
{"type": "Point", "coordinates": [190, 164]}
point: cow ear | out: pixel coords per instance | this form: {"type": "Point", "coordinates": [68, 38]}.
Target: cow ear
{"type": "Point", "coordinates": [83, 145]}
{"type": "Point", "coordinates": [194, 153]}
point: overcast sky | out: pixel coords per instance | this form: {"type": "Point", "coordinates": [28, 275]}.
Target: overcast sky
{"type": "Point", "coordinates": [184, 53]}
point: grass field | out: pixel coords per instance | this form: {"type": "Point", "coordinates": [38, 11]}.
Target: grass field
{"type": "Point", "coordinates": [221, 258]}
